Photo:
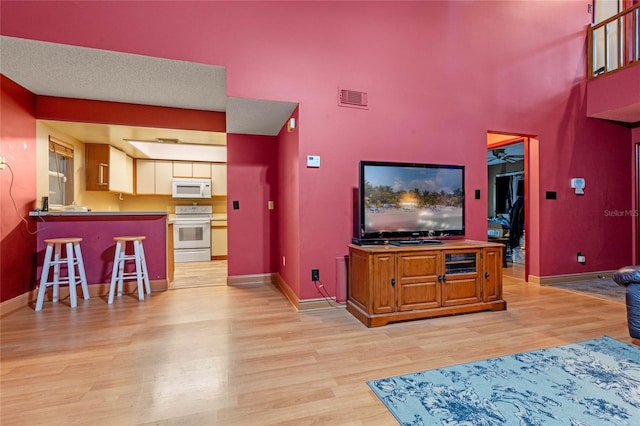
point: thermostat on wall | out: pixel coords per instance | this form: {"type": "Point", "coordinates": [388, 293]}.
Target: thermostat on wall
{"type": "Point", "coordinates": [578, 184]}
{"type": "Point", "coordinates": [313, 161]}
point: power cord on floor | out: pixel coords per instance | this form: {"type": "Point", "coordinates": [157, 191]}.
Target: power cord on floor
{"type": "Point", "coordinates": [323, 292]}
{"type": "Point", "coordinates": [15, 206]}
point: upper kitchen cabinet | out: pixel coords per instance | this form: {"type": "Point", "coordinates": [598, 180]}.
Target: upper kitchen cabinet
{"type": "Point", "coordinates": [108, 169]}
{"type": "Point", "coordinates": [191, 169]}
{"type": "Point", "coordinates": [219, 178]}
{"type": "Point", "coordinates": [153, 177]}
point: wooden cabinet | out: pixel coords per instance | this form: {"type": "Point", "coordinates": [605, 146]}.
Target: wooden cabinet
{"type": "Point", "coordinates": [153, 177]}
{"type": "Point", "coordinates": [108, 169]}
{"type": "Point", "coordinates": [219, 178]}
{"type": "Point", "coordinates": [145, 177]}
{"type": "Point", "coordinates": [163, 177]}
{"type": "Point", "coordinates": [191, 169]}
{"type": "Point", "coordinates": [389, 284]}
{"type": "Point", "coordinates": [218, 239]}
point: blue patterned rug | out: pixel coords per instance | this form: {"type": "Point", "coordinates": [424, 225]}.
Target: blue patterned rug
{"type": "Point", "coordinates": [596, 382]}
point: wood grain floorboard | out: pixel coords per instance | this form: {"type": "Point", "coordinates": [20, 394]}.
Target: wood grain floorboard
{"type": "Point", "coordinates": [241, 355]}
{"type": "Point", "coordinates": [199, 274]}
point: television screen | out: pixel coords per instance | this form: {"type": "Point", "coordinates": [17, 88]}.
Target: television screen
{"type": "Point", "coordinates": [405, 200]}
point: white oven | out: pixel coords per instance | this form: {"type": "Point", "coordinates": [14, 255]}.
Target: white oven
{"type": "Point", "coordinates": [192, 234]}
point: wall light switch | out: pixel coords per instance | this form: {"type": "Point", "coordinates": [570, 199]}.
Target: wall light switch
{"type": "Point", "coordinates": [270, 205]}
{"type": "Point", "coordinates": [313, 161]}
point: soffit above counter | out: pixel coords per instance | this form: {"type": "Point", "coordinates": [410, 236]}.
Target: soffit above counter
{"type": "Point", "coordinates": [57, 70]}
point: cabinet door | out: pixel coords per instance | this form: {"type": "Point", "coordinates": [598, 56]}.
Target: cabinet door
{"type": "Point", "coordinates": [460, 282]}
{"type": "Point", "coordinates": [218, 179]}
{"type": "Point", "coordinates": [145, 176]}
{"type": "Point", "coordinates": [359, 284]}
{"type": "Point", "coordinates": [418, 286]}
{"type": "Point", "coordinates": [218, 240]}
{"type": "Point", "coordinates": [384, 284]}
{"type": "Point", "coordinates": [182, 169]}
{"type": "Point", "coordinates": [129, 177]}
{"type": "Point", "coordinates": [163, 176]}
{"type": "Point", "coordinates": [201, 170]}
{"type": "Point", "coordinates": [492, 266]}
{"type": "Point", "coordinates": [117, 170]}
{"type": "Point", "coordinates": [97, 167]}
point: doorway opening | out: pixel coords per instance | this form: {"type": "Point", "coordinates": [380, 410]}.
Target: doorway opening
{"type": "Point", "coordinates": [507, 199]}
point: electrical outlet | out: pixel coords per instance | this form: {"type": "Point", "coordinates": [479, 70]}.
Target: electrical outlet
{"type": "Point", "coordinates": [3, 163]}
{"type": "Point", "coordinates": [581, 258]}
{"type": "Point", "coordinates": [315, 275]}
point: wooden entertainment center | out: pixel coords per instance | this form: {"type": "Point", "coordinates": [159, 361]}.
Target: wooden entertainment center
{"type": "Point", "coordinates": [397, 283]}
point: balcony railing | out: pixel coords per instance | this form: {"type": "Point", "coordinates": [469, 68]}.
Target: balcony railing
{"type": "Point", "coordinates": [615, 43]}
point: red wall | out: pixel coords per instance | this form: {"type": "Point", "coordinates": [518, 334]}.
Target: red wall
{"type": "Point", "coordinates": [289, 244]}
{"type": "Point", "coordinates": [17, 185]}
{"type": "Point", "coordinates": [252, 181]}
{"type": "Point", "coordinates": [439, 76]}
{"type": "Point", "coordinates": [87, 111]}
{"type": "Point", "coordinates": [98, 248]}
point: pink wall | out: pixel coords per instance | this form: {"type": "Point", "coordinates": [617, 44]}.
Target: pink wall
{"type": "Point", "coordinates": [17, 145]}
{"type": "Point", "coordinates": [98, 247]}
{"type": "Point", "coordinates": [87, 111]}
{"type": "Point", "coordinates": [288, 206]}
{"type": "Point", "coordinates": [252, 181]}
{"type": "Point", "coordinates": [439, 76]}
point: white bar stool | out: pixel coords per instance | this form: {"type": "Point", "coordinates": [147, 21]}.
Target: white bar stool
{"type": "Point", "coordinates": [139, 274]}
{"type": "Point", "coordinates": [54, 249]}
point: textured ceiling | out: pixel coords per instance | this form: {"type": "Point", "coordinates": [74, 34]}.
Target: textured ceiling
{"type": "Point", "coordinates": [53, 69]}
{"type": "Point", "coordinates": [77, 72]}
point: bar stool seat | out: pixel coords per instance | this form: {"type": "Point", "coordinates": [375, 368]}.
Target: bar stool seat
{"type": "Point", "coordinates": [53, 258]}
{"type": "Point", "coordinates": [118, 274]}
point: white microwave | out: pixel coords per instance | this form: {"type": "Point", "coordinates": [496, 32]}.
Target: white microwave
{"type": "Point", "coordinates": [191, 188]}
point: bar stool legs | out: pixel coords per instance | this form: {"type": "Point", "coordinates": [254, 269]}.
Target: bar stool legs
{"type": "Point", "coordinates": [53, 258]}
{"type": "Point", "coordinates": [118, 274]}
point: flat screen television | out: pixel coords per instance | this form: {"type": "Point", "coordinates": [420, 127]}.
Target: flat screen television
{"type": "Point", "coordinates": [409, 201]}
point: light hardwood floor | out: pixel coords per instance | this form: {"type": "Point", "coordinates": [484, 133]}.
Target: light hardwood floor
{"type": "Point", "coordinates": [226, 355]}
{"type": "Point", "coordinates": [199, 274]}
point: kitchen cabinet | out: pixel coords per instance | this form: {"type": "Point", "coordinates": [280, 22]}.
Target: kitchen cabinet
{"type": "Point", "coordinates": [153, 177]}
{"type": "Point", "coordinates": [108, 169]}
{"type": "Point", "coordinates": [218, 239]}
{"type": "Point", "coordinates": [219, 178]}
{"type": "Point", "coordinates": [145, 177]}
{"type": "Point", "coordinates": [163, 177]}
{"type": "Point", "coordinates": [389, 283]}
{"type": "Point", "coordinates": [191, 169]}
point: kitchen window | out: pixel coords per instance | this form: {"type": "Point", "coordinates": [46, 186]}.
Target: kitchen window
{"type": "Point", "coordinates": [60, 173]}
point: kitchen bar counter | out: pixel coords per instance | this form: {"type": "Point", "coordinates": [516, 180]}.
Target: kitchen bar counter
{"type": "Point", "coordinates": [97, 230]}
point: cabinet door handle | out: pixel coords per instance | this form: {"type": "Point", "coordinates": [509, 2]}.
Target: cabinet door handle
{"type": "Point", "coordinates": [486, 275]}
{"type": "Point", "coordinates": [101, 168]}
{"type": "Point", "coordinates": [393, 282]}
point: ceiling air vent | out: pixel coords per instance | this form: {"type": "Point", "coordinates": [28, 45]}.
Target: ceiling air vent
{"type": "Point", "coordinates": [352, 98]}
